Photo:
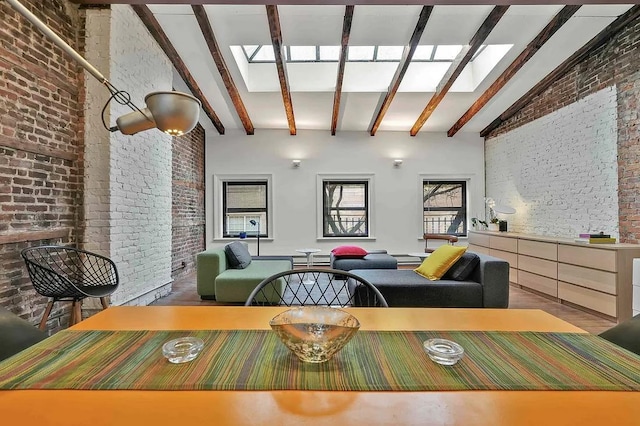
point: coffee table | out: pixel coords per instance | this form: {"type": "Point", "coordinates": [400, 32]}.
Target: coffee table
{"type": "Point", "coordinates": [422, 256]}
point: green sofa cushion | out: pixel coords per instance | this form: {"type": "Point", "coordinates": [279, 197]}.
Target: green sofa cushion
{"type": "Point", "coordinates": [235, 285]}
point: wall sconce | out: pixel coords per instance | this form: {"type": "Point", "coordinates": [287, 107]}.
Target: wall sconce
{"type": "Point", "coordinates": [174, 113]}
{"type": "Point", "coordinates": [295, 164]}
{"type": "Point", "coordinates": [397, 162]}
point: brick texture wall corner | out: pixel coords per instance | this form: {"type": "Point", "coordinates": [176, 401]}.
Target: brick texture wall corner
{"type": "Point", "coordinates": [40, 148]}
{"type": "Point", "coordinates": [188, 208]}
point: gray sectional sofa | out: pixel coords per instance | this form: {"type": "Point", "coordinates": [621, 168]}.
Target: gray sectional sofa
{"type": "Point", "coordinates": [487, 286]}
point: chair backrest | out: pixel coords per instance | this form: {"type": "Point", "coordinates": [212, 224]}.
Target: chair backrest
{"type": "Point", "coordinates": [316, 286]}
{"type": "Point", "coordinates": [16, 334]}
{"type": "Point", "coordinates": [451, 239]}
{"type": "Point", "coordinates": [58, 271]}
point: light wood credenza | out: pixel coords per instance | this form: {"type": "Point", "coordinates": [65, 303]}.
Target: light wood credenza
{"type": "Point", "coordinates": [592, 276]}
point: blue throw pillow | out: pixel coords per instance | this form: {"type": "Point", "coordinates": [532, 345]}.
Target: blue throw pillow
{"type": "Point", "coordinates": [238, 255]}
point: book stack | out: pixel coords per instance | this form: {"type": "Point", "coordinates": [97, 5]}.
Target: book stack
{"type": "Point", "coordinates": [600, 238]}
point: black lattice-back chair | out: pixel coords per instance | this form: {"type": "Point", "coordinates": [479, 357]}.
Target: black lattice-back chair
{"type": "Point", "coordinates": [70, 274]}
{"type": "Point", "coordinates": [316, 286]}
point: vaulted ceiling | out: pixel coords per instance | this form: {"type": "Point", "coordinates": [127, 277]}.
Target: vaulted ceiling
{"type": "Point", "coordinates": [200, 41]}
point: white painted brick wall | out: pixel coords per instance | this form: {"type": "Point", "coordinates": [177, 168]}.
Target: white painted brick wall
{"type": "Point", "coordinates": [138, 191]}
{"type": "Point", "coordinates": [560, 171]}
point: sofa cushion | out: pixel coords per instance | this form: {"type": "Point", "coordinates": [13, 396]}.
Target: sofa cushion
{"type": "Point", "coordinates": [235, 285]}
{"type": "Point", "coordinates": [461, 270]}
{"type": "Point", "coordinates": [439, 262]}
{"type": "Point", "coordinates": [353, 252]}
{"type": "Point", "coordinates": [238, 255]}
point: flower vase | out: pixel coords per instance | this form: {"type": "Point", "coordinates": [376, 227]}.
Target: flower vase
{"type": "Point", "coordinates": [494, 227]}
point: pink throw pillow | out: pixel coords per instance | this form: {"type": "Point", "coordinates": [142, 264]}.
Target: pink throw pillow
{"type": "Point", "coordinates": [354, 252]}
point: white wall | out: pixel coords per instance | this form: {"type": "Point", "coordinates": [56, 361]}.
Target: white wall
{"type": "Point", "coordinates": [560, 172]}
{"type": "Point", "coordinates": [397, 190]}
{"type": "Point", "coordinates": [128, 182]}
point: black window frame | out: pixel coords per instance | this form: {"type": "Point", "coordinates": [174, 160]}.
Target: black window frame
{"type": "Point", "coordinates": [464, 207]}
{"type": "Point", "coordinates": [264, 228]}
{"type": "Point", "coordinates": [326, 210]}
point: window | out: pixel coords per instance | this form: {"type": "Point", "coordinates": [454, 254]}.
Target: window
{"type": "Point", "coordinates": [444, 206]}
{"type": "Point", "coordinates": [243, 202]}
{"type": "Point", "coordinates": [345, 208]}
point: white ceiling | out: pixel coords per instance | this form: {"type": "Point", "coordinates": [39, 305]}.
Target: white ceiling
{"type": "Point", "coordinates": [372, 25]}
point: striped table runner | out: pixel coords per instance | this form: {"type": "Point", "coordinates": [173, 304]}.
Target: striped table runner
{"type": "Point", "coordinates": [371, 361]}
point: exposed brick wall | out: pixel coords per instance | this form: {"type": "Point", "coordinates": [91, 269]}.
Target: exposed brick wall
{"type": "Point", "coordinates": [139, 222]}
{"type": "Point", "coordinates": [616, 63]}
{"type": "Point", "coordinates": [559, 171]}
{"type": "Point", "coordinates": [187, 201]}
{"type": "Point", "coordinates": [40, 151]}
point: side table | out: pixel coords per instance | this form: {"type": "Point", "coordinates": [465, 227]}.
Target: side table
{"type": "Point", "coordinates": [309, 253]}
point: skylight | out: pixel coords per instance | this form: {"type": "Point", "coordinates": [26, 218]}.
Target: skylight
{"type": "Point", "coordinates": [423, 53]}
{"type": "Point", "coordinates": [368, 68]}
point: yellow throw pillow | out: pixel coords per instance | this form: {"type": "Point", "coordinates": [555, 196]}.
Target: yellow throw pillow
{"type": "Point", "coordinates": [439, 262]}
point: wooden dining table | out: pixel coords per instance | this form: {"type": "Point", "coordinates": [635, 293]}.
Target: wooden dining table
{"type": "Point", "coordinates": [296, 407]}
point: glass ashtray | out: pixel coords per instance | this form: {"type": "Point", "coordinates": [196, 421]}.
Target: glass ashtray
{"type": "Point", "coordinates": [183, 349]}
{"type": "Point", "coordinates": [444, 352]}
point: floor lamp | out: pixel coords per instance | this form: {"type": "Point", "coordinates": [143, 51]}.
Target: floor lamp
{"type": "Point", "coordinates": [174, 113]}
{"type": "Point", "coordinates": [254, 223]}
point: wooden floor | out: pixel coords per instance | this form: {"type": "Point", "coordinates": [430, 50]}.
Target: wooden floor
{"type": "Point", "coordinates": [184, 293]}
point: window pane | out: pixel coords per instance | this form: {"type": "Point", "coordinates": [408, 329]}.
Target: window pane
{"type": "Point", "coordinates": [423, 53]}
{"type": "Point", "coordinates": [444, 207]}
{"type": "Point", "coordinates": [389, 53]}
{"type": "Point", "coordinates": [246, 196]}
{"type": "Point", "coordinates": [244, 202]}
{"type": "Point", "coordinates": [345, 211]}
{"type": "Point", "coordinates": [265, 54]}
{"type": "Point", "coordinates": [330, 53]}
{"type": "Point", "coordinates": [447, 53]}
{"type": "Point", "coordinates": [303, 53]}
{"type": "Point", "coordinates": [360, 53]}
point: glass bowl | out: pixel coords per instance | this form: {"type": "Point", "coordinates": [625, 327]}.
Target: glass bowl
{"type": "Point", "coordinates": [444, 352]}
{"type": "Point", "coordinates": [315, 333]}
{"type": "Point", "coordinates": [182, 349]}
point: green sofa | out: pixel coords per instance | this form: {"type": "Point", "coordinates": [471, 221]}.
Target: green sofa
{"type": "Point", "coordinates": [216, 281]}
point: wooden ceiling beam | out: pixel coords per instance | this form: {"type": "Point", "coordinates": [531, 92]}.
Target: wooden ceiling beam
{"type": "Point", "coordinates": [461, 61]}
{"type": "Point", "coordinates": [276, 40]}
{"type": "Point", "coordinates": [152, 24]}
{"type": "Point", "coordinates": [549, 30]}
{"type": "Point", "coordinates": [346, 31]}
{"type": "Point", "coordinates": [579, 55]}
{"type": "Point", "coordinates": [216, 54]}
{"type": "Point", "coordinates": [405, 61]}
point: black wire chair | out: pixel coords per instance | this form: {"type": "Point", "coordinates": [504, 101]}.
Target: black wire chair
{"type": "Point", "coordinates": [315, 286]}
{"type": "Point", "coordinates": [70, 274]}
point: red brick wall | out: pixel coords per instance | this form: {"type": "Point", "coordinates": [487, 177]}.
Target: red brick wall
{"type": "Point", "coordinates": [615, 63]}
{"type": "Point", "coordinates": [187, 201]}
{"type": "Point", "coordinates": [40, 147]}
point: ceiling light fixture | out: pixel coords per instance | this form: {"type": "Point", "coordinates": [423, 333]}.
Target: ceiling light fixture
{"type": "Point", "coordinates": [174, 113]}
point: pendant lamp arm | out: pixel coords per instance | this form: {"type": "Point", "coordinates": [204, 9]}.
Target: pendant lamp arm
{"type": "Point", "coordinates": [174, 113]}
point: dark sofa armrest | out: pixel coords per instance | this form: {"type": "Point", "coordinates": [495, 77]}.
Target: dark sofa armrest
{"type": "Point", "coordinates": [493, 274]}
{"type": "Point", "coordinates": [271, 257]}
